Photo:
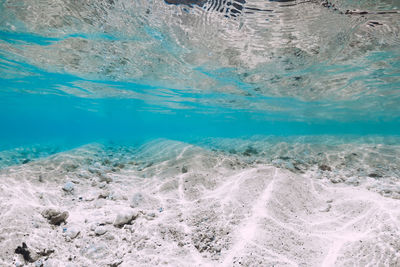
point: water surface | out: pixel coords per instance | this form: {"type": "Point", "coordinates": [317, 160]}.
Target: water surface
{"type": "Point", "coordinates": [123, 69]}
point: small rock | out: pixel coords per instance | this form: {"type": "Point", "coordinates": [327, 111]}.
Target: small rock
{"type": "Point", "coordinates": [326, 209]}
{"type": "Point", "coordinates": [125, 218]}
{"type": "Point", "coordinates": [55, 217]}
{"type": "Point", "coordinates": [45, 252]}
{"type": "Point", "coordinates": [68, 187]}
{"type": "Point", "coordinates": [374, 175]}
{"type": "Point", "coordinates": [324, 167]}
{"type": "Point", "coordinates": [136, 200]}
{"type": "Point", "coordinates": [150, 216]}
{"type": "Point", "coordinates": [250, 151]}
{"type": "Point", "coordinates": [94, 171]}
{"type": "Point", "coordinates": [105, 178]}
{"type": "Point", "coordinates": [89, 198]}
{"type": "Point", "coordinates": [108, 221]}
{"type": "Point", "coordinates": [289, 165]}
{"type": "Point", "coordinates": [353, 181]}
{"type": "Point", "coordinates": [101, 230]}
{"type": "Point", "coordinates": [115, 263]}
{"type": "Point", "coordinates": [336, 180]}
{"type": "Point", "coordinates": [104, 194]}
{"type": "Point", "coordinates": [93, 226]}
{"type": "Point", "coordinates": [184, 169]}
{"type": "Point", "coordinates": [24, 251]}
{"type": "Point", "coordinates": [72, 232]}
{"type": "Point", "coordinates": [109, 236]}
{"type": "Point", "coordinates": [70, 167]}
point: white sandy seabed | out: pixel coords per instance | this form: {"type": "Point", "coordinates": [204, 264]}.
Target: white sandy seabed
{"type": "Point", "coordinates": [176, 204]}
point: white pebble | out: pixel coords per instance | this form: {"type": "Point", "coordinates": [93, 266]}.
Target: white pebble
{"type": "Point", "coordinates": [101, 230]}
{"type": "Point", "coordinates": [72, 232]}
{"type": "Point", "coordinates": [125, 217]}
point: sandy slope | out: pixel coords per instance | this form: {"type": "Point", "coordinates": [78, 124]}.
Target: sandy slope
{"type": "Point", "coordinates": [189, 206]}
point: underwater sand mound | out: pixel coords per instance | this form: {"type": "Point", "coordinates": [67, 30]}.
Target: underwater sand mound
{"type": "Point", "coordinates": [178, 204]}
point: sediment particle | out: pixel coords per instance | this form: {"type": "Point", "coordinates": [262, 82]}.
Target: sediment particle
{"type": "Point", "coordinates": [23, 250]}
{"type": "Point", "coordinates": [68, 187]}
{"type": "Point", "coordinates": [72, 232]}
{"type": "Point", "coordinates": [100, 230]}
{"type": "Point", "coordinates": [125, 218]}
{"type": "Point", "coordinates": [137, 199]}
{"type": "Point", "coordinates": [115, 263]}
{"type": "Point", "coordinates": [374, 175]}
{"type": "Point", "coordinates": [250, 151]}
{"type": "Point", "coordinates": [324, 167]}
{"type": "Point", "coordinates": [55, 217]}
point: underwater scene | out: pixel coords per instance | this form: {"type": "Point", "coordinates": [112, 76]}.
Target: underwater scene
{"type": "Point", "coordinates": [199, 133]}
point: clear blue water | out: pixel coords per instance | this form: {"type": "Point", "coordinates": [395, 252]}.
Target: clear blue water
{"type": "Point", "coordinates": [141, 69]}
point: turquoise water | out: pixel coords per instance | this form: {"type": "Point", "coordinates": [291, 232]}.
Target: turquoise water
{"type": "Point", "coordinates": [120, 70]}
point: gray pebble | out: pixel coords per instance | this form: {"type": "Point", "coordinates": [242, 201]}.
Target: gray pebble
{"type": "Point", "coordinates": [55, 217]}
{"type": "Point", "coordinates": [136, 200]}
{"type": "Point", "coordinates": [105, 178]}
{"type": "Point", "coordinates": [68, 187]}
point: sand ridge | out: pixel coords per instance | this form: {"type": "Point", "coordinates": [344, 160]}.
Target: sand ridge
{"type": "Point", "coordinates": [178, 204]}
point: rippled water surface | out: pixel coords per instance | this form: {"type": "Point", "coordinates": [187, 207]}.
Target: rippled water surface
{"type": "Point", "coordinates": [101, 68]}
